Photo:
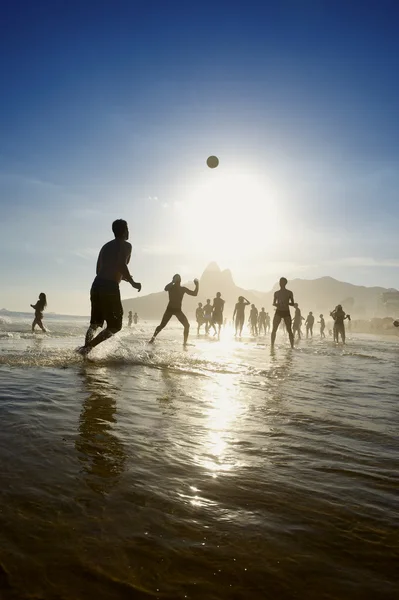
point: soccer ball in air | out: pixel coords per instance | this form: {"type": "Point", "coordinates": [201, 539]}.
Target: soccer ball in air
{"type": "Point", "coordinates": [212, 162]}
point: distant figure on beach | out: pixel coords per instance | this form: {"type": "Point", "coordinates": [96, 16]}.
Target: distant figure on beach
{"type": "Point", "coordinates": [105, 296]}
{"type": "Point", "coordinates": [176, 292]}
{"type": "Point", "coordinates": [339, 316]}
{"type": "Point", "coordinates": [239, 314]}
{"type": "Point", "coordinates": [135, 318]}
{"type": "Point", "coordinates": [208, 311]}
{"type": "Point", "coordinates": [283, 299]}
{"type": "Point", "coordinates": [199, 316]}
{"type": "Point", "coordinates": [267, 322]}
{"type": "Point", "coordinates": [39, 308]}
{"type": "Point", "coordinates": [253, 317]}
{"type": "Point", "coordinates": [262, 321]}
{"type": "Point", "coordinates": [297, 323]}
{"type": "Point", "coordinates": [217, 315]}
{"type": "Point", "coordinates": [322, 326]}
{"type": "Point", "coordinates": [130, 319]}
{"type": "Point", "coordinates": [309, 324]}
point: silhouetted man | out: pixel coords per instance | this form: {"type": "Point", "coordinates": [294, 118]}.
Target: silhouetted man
{"type": "Point", "coordinates": [217, 315]}
{"type": "Point", "coordinates": [253, 316]}
{"type": "Point", "coordinates": [322, 326]}
{"type": "Point", "coordinates": [309, 324]}
{"type": "Point", "coordinates": [283, 299]}
{"type": "Point", "coordinates": [239, 313]}
{"type": "Point", "coordinates": [135, 318]}
{"type": "Point", "coordinates": [208, 311]}
{"type": "Point", "coordinates": [176, 292]}
{"type": "Point", "coordinates": [339, 316]}
{"type": "Point", "coordinates": [262, 321]}
{"type": "Point", "coordinates": [199, 316]}
{"type": "Point", "coordinates": [105, 296]}
{"type": "Point", "coordinates": [297, 323]}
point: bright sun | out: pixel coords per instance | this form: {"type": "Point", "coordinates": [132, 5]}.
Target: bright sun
{"type": "Point", "coordinates": [234, 215]}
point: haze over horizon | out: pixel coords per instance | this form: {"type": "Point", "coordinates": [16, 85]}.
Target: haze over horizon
{"type": "Point", "coordinates": [110, 111]}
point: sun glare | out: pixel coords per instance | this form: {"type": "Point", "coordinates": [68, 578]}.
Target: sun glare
{"type": "Point", "coordinates": [236, 214]}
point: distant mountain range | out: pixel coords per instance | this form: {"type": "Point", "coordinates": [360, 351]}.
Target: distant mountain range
{"type": "Point", "coordinates": [319, 295]}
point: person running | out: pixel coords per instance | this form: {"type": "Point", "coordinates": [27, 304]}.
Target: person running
{"type": "Point", "coordinates": [339, 316]}
{"type": "Point", "coordinates": [253, 316]}
{"type": "Point", "coordinates": [208, 311]}
{"type": "Point", "coordinates": [105, 296]}
{"type": "Point", "coordinates": [262, 321]}
{"type": "Point", "coordinates": [176, 292]}
{"type": "Point", "coordinates": [199, 315]}
{"type": "Point", "coordinates": [239, 313]}
{"type": "Point", "coordinates": [297, 323]}
{"type": "Point", "coordinates": [309, 325]}
{"type": "Point", "coordinates": [283, 299]}
{"type": "Point", "coordinates": [135, 318]}
{"type": "Point", "coordinates": [217, 315]}
{"type": "Point", "coordinates": [322, 327]}
{"type": "Point", "coordinates": [39, 308]}
{"type": "Point", "coordinates": [130, 319]}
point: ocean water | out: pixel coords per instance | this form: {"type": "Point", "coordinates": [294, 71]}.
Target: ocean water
{"type": "Point", "coordinates": [223, 471]}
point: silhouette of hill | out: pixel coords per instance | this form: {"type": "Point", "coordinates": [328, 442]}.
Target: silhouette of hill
{"type": "Point", "coordinates": [318, 295]}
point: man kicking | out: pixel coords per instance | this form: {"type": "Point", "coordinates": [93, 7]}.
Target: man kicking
{"type": "Point", "coordinates": [105, 296]}
{"type": "Point", "coordinates": [176, 293]}
{"type": "Point", "coordinates": [283, 299]}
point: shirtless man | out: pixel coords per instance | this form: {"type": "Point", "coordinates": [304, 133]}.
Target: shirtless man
{"type": "Point", "coordinates": [309, 324]}
{"type": "Point", "coordinates": [262, 321]}
{"type": "Point", "coordinates": [339, 316]}
{"type": "Point", "coordinates": [283, 299]}
{"type": "Point", "coordinates": [239, 313]}
{"type": "Point", "coordinates": [199, 315]}
{"type": "Point", "coordinates": [297, 324]}
{"type": "Point", "coordinates": [176, 292]}
{"type": "Point", "coordinates": [105, 296]}
{"type": "Point", "coordinates": [208, 311]}
{"type": "Point", "coordinates": [217, 315]}
{"type": "Point", "coordinates": [253, 318]}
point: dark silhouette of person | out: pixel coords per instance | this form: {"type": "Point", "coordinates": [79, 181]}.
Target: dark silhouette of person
{"type": "Point", "coordinates": [297, 323]}
{"type": "Point", "coordinates": [39, 308]}
{"type": "Point", "coordinates": [130, 319]}
{"type": "Point", "coordinates": [283, 299]}
{"type": "Point", "coordinates": [135, 318]}
{"type": "Point", "coordinates": [253, 316]}
{"type": "Point", "coordinates": [105, 296]}
{"type": "Point", "coordinates": [339, 316]}
{"type": "Point", "coordinates": [309, 324]}
{"type": "Point", "coordinates": [208, 311]}
{"type": "Point", "coordinates": [322, 326]}
{"type": "Point", "coordinates": [239, 313]}
{"type": "Point", "coordinates": [199, 315]}
{"type": "Point", "coordinates": [176, 292]}
{"type": "Point", "coordinates": [217, 315]}
{"type": "Point", "coordinates": [262, 321]}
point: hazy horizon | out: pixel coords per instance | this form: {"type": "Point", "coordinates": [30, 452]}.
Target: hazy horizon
{"type": "Point", "coordinates": [112, 112]}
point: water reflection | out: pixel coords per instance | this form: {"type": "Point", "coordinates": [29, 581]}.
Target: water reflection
{"type": "Point", "coordinates": [99, 449]}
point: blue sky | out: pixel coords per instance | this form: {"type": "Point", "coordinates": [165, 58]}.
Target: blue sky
{"type": "Point", "coordinates": [109, 110]}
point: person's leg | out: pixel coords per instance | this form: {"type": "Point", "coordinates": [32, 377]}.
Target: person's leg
{"type": "Point", "coordinates": [34, 324]}
{"type": "Point", "coordinates": [343, 333]}
{"type": "Point", "coordinates": [288, 326]}
{"type": "Point", "coordinates": [276, 323]}
{"type": "Point", "coordinates": [40, 323]}
{"type": "Point", "coordinates": [237, 324]}
{"type": "Point", "coordinates": [165, 320]}
{"type": "Point", "coordinates": [241, 325]}
{"type": "Point", "coordinates": [184, 321]}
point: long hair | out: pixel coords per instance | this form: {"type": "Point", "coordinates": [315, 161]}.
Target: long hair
{"type": "Point", "coordinates": [43, 300]}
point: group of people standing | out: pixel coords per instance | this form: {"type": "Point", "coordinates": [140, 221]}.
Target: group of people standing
{"type": "Point", "coordinates": [106, 305]}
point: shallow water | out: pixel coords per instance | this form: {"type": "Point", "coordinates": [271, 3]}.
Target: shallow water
{"type": "Point", "coordinates": [222, 471]}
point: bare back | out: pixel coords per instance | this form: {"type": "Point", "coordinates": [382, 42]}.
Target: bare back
{"type": "Point", "coordinates": [113, 256]}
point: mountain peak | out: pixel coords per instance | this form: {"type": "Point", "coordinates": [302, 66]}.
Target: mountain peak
{"type": "Point", "coordinates": [213, 267]}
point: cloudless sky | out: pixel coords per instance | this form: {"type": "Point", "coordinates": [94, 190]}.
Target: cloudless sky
{"type": "Point", "coordinates": [109, 109]}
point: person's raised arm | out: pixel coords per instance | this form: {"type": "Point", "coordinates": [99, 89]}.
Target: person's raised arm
{"type": "Point", "coordinates": [169, 286]}
{"type": "Point", "coordinates": [246, 302]}
{"type": "Point", "coordinates": [195, 291]}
